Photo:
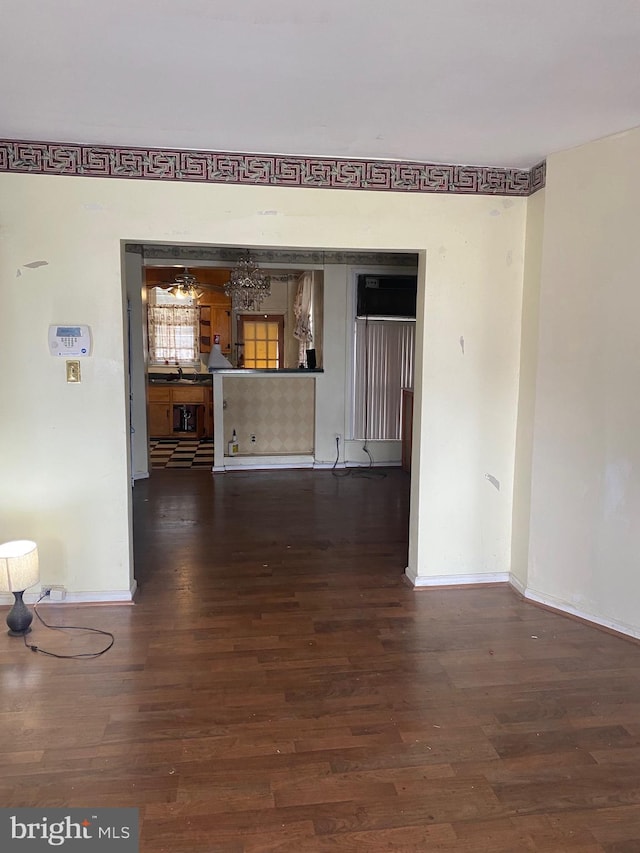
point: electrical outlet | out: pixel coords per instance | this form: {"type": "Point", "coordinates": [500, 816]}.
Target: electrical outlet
{"type": "Point", "coordinates": [337, 436]}
{"type": "Point", "coordinates": [253, 438]}
{"type": "Point", "coordinates": [53, 592]}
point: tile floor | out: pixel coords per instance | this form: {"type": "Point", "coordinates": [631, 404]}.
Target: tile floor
{"type": "Point", "coordinates": [181, 453]}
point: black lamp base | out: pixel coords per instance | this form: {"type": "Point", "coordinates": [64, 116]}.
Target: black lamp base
{"type": "Point", "coordinates": [19, 617]}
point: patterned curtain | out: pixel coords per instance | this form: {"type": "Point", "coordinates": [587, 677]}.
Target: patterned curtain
{"type": "Point", "coordinates": [173, 333]}
{"type": "Point", "coordinates": [303, 330]}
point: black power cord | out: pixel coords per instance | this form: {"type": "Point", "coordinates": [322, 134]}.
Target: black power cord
{"type": "Point", "coordinates": [357, 471]}
{"type": "Point", "coordinates": [339, 474]}
{"type": "Point", "coordinates": [80, 655]}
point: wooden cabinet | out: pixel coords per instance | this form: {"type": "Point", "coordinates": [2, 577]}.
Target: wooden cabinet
{"type": "Point", "coordinates": [180, 411]}
{"type": "Point", "coordinates": [215, 320]}
{"type": "Point", "coordinates": [206, 340]}
{"type": "Point", "coordinates": [221, 325]}
{"type": "Point", "coordinates": [159, 412]}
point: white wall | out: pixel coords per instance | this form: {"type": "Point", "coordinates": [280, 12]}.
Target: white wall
{"type": "Point", "coordinates": [331, 394]}
{"type": "Point", "coordinates": [585, 502]}
{"type": "Point", "coordinates": [137, 367]}
{"type": "Point", "coordinates": [466, 419]}
{"type": "Point", "coordinates": [67, 464]}
{"type": "Point", "coordinates": [527, 391]}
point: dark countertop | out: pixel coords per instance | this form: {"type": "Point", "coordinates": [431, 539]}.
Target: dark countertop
{"type": "Point", "coordinates": [172, 379]}
{"type": "Point", "coordinates": [207, 378]}
{"type": "Point", "coordinates": [269, 371]}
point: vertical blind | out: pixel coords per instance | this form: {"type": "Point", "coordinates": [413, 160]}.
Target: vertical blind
{"type": "Point", "coordinates": [383, 367]}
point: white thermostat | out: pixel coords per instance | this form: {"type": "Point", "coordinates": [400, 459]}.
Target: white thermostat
{"type": "Point", "coordinates": [70, 341]}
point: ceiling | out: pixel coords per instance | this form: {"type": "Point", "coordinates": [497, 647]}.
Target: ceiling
{"type": "Point", "coordinates": [476, 82]}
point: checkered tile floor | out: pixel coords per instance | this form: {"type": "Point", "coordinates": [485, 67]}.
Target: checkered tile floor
{"type": "Point", "coordinates": [184, 453]}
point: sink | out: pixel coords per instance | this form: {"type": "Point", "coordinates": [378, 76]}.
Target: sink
{"type": "Point", "coordinates": [201, 380]}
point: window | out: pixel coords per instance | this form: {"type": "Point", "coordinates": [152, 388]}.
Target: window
{"type": "Point", "coordinates": [174, 328]}
{"type": "Point", "coordinates": [262, 340]}
{"type": "Point", "coordinates": [383, 367]}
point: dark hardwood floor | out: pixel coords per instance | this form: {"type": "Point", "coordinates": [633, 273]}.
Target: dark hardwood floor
{"type": "Point", "coordinates": [278, 687]}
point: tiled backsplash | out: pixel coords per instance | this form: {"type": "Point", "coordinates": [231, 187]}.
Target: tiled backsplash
{"type": "Point", "coordinates": [279, 411]}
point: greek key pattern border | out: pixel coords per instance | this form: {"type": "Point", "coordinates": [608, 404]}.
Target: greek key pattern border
{"type": "Point", "coordinates": [229, 254]}
{"type": "Point", "coordinates": [100, 161]}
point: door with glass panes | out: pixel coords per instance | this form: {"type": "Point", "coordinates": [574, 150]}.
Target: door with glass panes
{"type": "Point", "coordinates": [261, 341]}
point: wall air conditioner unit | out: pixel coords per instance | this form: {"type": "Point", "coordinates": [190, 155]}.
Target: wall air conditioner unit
{"type": "Point", "coordinates": [387, 295]}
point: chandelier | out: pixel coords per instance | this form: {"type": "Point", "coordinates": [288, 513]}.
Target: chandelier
{"type": "Point", "coordinates": [247, 286]}
{"type": "Point", "coordinates": [185, 286]}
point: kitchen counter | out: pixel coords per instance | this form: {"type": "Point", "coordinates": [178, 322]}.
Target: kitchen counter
{"type": "Point", "coordinates": [268, 371]}
{"type": "Point", "coordinates": [187, 379]}
{"type": "Point", "coordinates": [271, 410]}
{"type": "Point", "coordinates": [207, 378]}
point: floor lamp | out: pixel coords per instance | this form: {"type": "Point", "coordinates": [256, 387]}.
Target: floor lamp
{"type": "Point", "coordinates": [18, 571]}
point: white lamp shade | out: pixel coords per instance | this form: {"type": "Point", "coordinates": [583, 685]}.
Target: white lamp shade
{"type": "Point", "coordinates": [18, 565]}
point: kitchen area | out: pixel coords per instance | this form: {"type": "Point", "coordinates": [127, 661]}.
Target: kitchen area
{"type": "Point", "coordinates": [289, 408]}
{"type": "Point", "coordinates": [244, 395]}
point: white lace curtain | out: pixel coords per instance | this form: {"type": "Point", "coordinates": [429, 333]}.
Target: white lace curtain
{"type": "Point", "coordinates": [303, 310]}
{"type": "Point", "coordinates": [173, 333]}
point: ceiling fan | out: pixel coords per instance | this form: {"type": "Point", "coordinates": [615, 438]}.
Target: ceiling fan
{"type": "Point", "coordinates": [185, 285]}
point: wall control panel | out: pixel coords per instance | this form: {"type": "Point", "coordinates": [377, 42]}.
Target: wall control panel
{"type": "Point", "coordinates": [70, 341]}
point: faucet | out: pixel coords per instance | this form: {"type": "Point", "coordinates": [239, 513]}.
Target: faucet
{"type": "Point", "coordinates": [179, 372]}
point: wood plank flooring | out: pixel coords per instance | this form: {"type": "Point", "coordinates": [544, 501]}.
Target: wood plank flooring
{"type": "Point", "coordinates": [278, 687]}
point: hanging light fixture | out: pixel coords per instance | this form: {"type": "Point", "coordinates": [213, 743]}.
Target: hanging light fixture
{"type": "Point", "coordinates": [248, 286]}
{"type": "Point", "coordinates": [185, 286]}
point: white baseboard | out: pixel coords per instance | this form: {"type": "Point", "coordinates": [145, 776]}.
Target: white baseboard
{"type": "Point", "coordinates": [388, 464]}
{"type": "Point", "coordinates": [517, 584]}
{"type": "Point", "coordinates": [265, 463]}
{"type": "Point", "coordinates": [115, 596]}
{"type": "Point", "coordinates": [421, 581]}
{"type": "Point", "coordinates": [570, 610]}
{"type": "Point", "coordinates": [256, 463]}
{"type": "Point", "coordinates": [558, 605]}
{"type": "Point", "coordinates": [354, 465]}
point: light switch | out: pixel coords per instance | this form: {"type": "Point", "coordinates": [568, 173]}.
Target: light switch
{"type": "Point", "coordinates": [73, 371]}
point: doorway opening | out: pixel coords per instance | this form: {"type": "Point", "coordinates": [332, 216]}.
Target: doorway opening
{"type": "Point", "coordinates": [335, 442]}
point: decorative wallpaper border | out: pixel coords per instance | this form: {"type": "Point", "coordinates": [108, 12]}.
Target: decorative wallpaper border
{"type": "Point", "coordinates": [101, 161]}
{"type": "Point", "coordinates": [537, 177]}
{"type": "Point", "coordinates": [229, 254]}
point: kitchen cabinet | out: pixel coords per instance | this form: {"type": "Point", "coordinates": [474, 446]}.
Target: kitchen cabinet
{"type": "Point", "coordinates": [221, 325]}
{"type": "Point", "coordinates": [215, 319]}
{"type": "Point", "coordinates": [180, 411]}
{"type": "Point", "coordinates": [159, 412]}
